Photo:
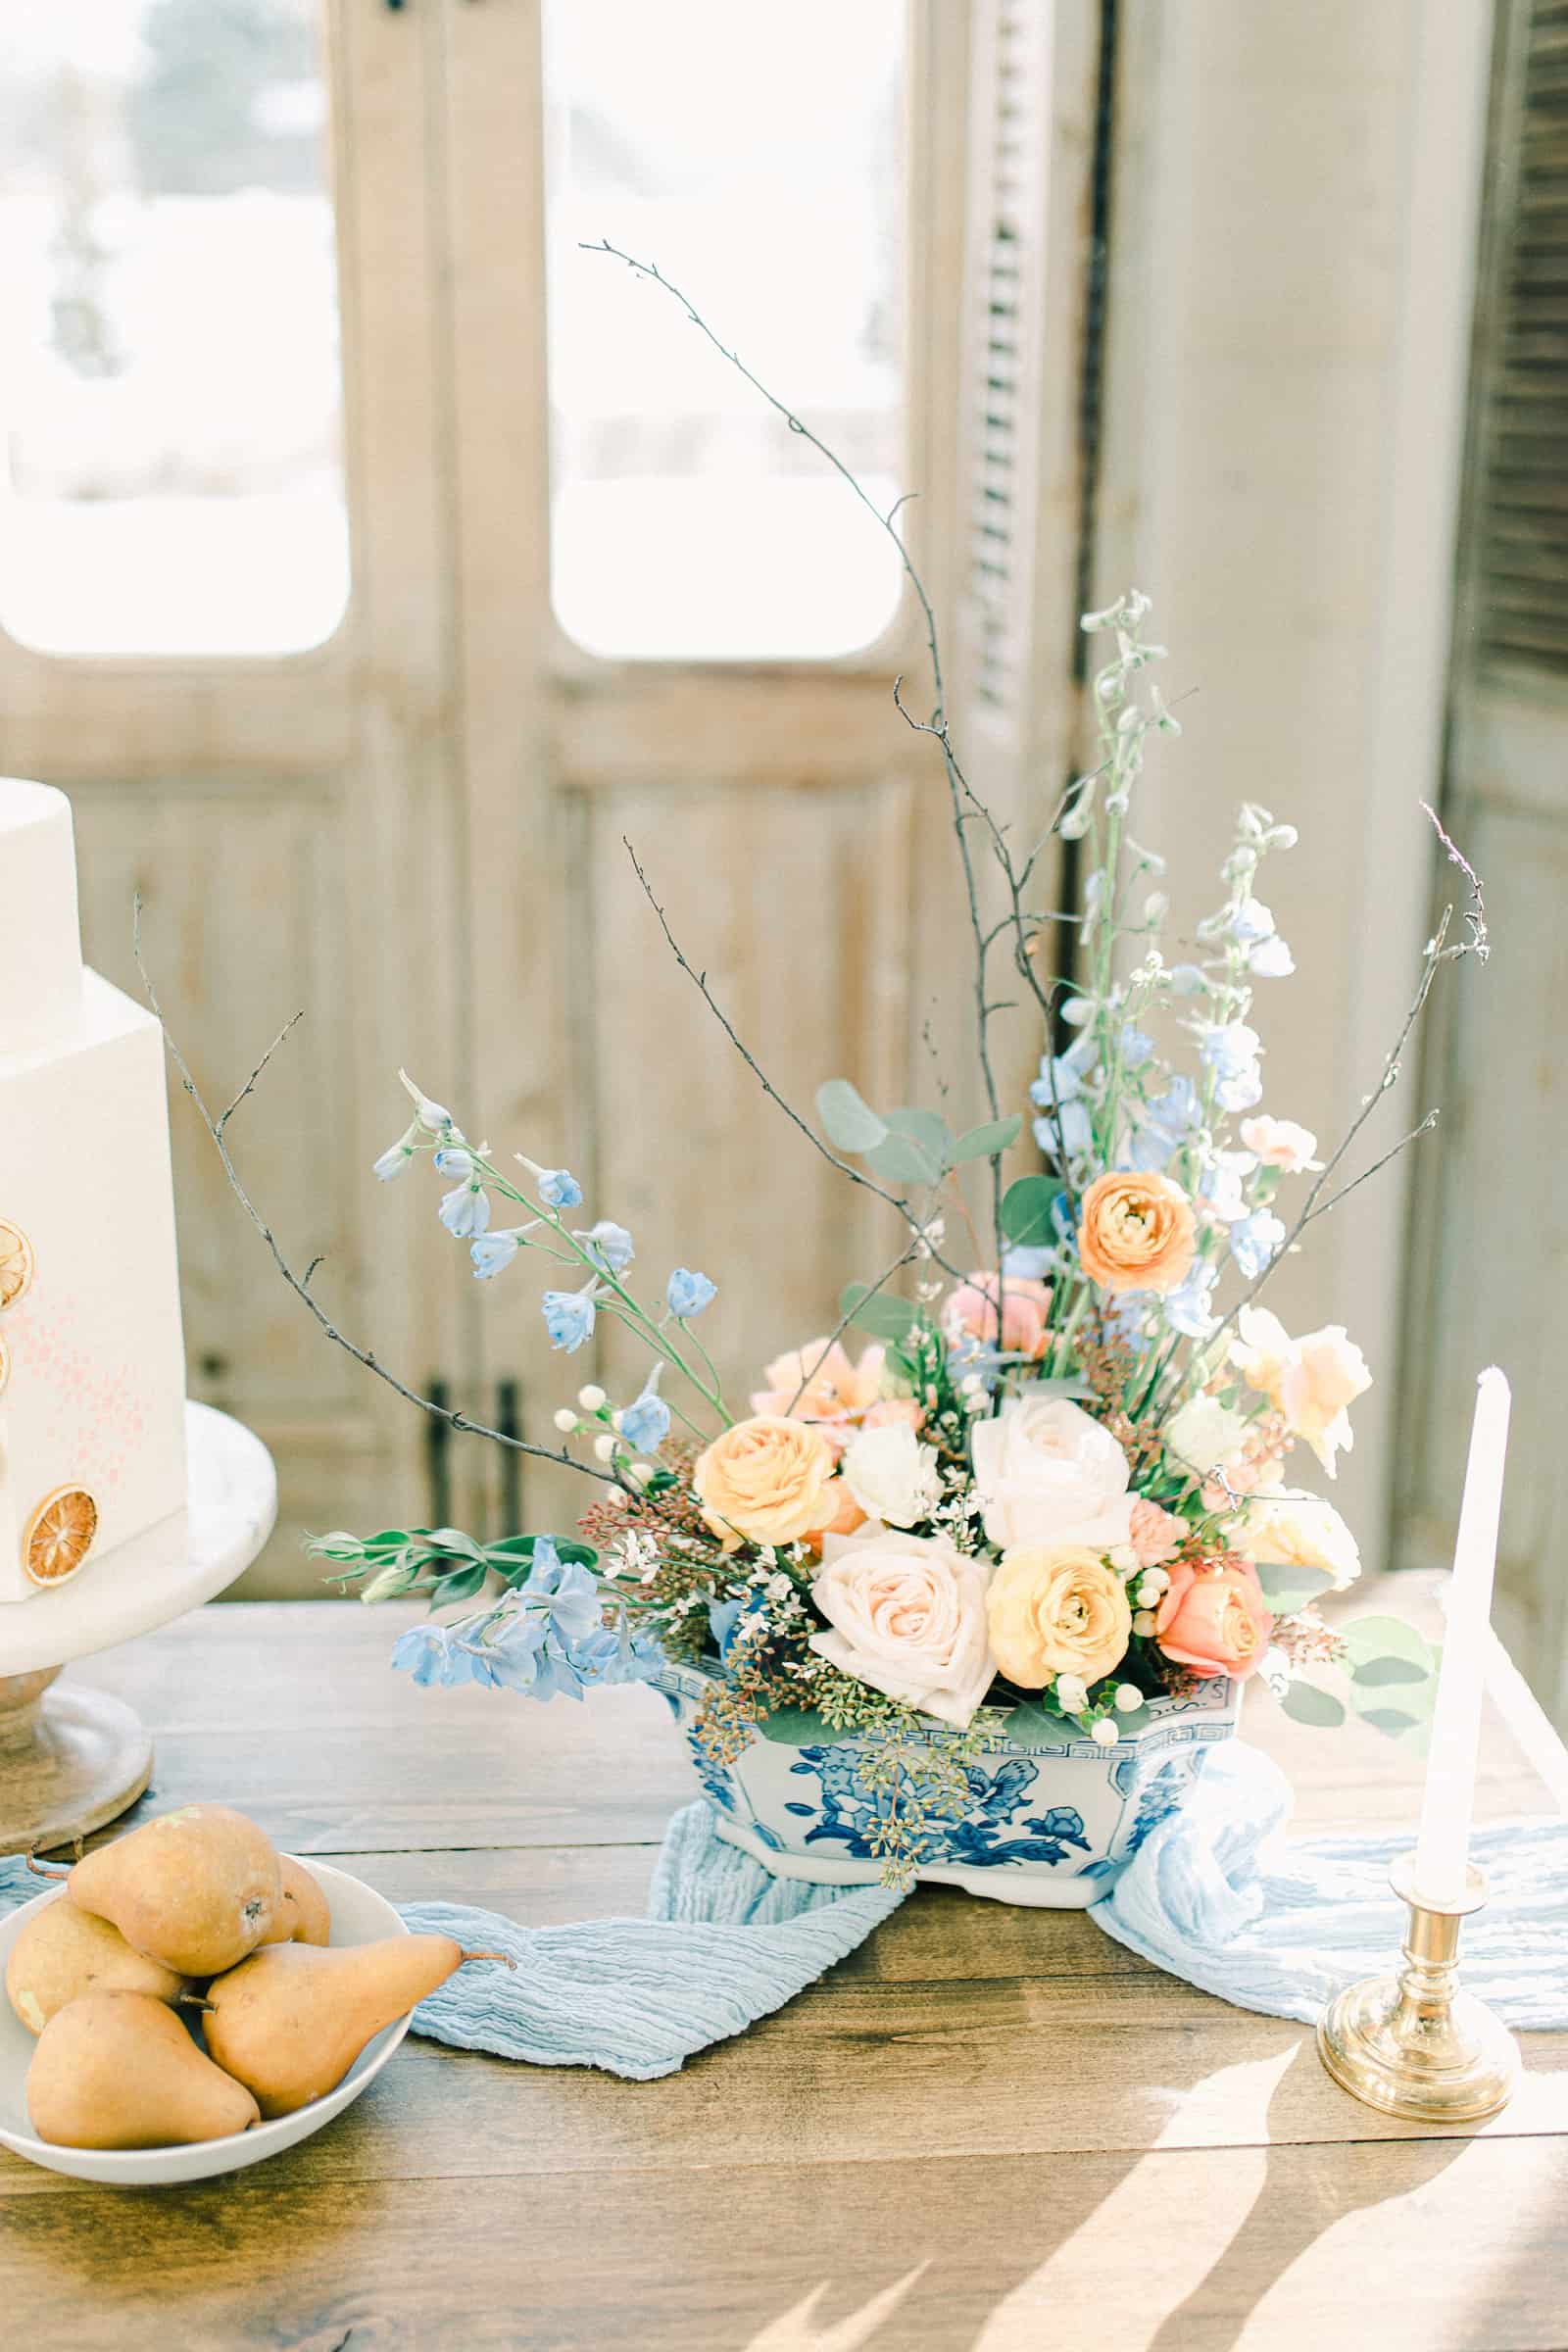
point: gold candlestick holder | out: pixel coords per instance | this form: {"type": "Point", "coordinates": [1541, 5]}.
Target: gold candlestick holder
{"type": "Point", "coordinates": [1412, 2044]}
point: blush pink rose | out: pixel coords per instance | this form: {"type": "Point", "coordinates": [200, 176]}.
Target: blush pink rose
{"type": "Point", "coordinates": [1155, 1535]}
{"type": "Point", "coordinates": [1214, 1620]}
{"type": "Point", "coordinates": [1280, 1144]}
{"type": "Point", "coordinates": [970, 1312]}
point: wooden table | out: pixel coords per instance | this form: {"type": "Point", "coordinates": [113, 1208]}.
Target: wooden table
{"type": "Point", "coordinates": [989, 2129]}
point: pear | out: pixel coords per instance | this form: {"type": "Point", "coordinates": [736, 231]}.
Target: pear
{"type": "Point", "coordinates": [196, 1888]}
{"type": "Point", "coordinates": [63, 1953]}
{"type": "Point", "coordinates": [290, 2020]}
{"type": "Point", "coordinates": [118, 2070]}
{"type": "Point", "coordinates": [306, 1916]}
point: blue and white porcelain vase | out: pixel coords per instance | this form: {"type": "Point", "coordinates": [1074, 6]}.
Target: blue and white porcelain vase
{"type": "Point", "coordinates": [1048, 1822]}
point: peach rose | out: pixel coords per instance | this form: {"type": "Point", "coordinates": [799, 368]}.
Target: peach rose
{"type": "Point", "coordinates": [1155, 1535]}
{"type": "Point", "coordinates": [1300, 1531]}
{"type": "Point", "coordinates": [1058, 1610]}
{"type": "Point", "coordinates": [765, 1481]}
{"type": "Point", "coordinates": [1136, 1232]}
{"type": "Point", "coordinates": [845, 1512]}
{"type": "Point", "coordinates": [1214, 1620]}
{"type": "Point", "coordinates": [1280, 1144]}
{"type": "Point", "coordinates": [1311, 1381]}
{"type": "Point", "coordinates": [970, 1312]}
{"type": "Point", "coordinates": [818, 1382]}
{"type": "Point", "coordinates": [907, 1615]}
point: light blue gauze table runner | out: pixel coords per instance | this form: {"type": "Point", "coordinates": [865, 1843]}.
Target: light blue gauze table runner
{"type": "Point", "coordinates": [1215, 1896]}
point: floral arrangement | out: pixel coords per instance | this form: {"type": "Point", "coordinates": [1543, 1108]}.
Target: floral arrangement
{"type": "Point", "coordinates": [1044, 1478]}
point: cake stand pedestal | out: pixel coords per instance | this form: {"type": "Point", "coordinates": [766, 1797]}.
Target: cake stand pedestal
{"type": "Point", "coordinates": [72, 1760]}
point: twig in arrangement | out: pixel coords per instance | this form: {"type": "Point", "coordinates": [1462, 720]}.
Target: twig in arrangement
{"type": "Point", "coordinates": [905, 1256]}
{"type": "Point", "coordinates": [249, 1086]}
{"type": "Point", "coordinates": [957, 784]}
{"type": "Point", "coordinates": [1475, 913]}
{"type": "Point", "coordinates": [297, 1283]}
{"type": "Point", "coordinates": [699, 981]}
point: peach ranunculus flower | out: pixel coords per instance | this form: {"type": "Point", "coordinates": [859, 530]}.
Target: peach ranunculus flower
{"type": "Point", "coordinates": [1136, 1232]}
{"type": "Point", "coordinates": [837, 1395]}
{"type": "Point", "coordinates": [970, 1312]}
{"type": "Point", "coordinates": [907, 1615]}
{"type": "Point", "coordinates": [765, 1481]}
{"type": "Point", "coordinates": [1156, 1535]}
{"type": "Point", "coordinates": [1280, 1144]}
{"type": "Point", "coordinates": [1311, 1381]}
{"type": "Point", "coordinates": [1300, 1531]}
{"type": "Point", "coordinates": [1214, 1620]}
{"type": "Point", "coordinates": [1057, 1609]}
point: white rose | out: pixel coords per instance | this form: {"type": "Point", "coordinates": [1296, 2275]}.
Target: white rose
{"type": "Point", "coordinates": [1048, 1474]}
{"type": "Point", "coordinates": [906, 1614]}
{"type": "Point", "coordinates": [1300, 1531]}
{"type": "Point", "coordinates": [1203, 1433]}
{"type": "Point", "coordinates": [891, 1475]}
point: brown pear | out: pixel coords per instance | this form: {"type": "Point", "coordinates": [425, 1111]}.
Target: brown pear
{"type": "Point", "coordinates": [305, 1915]}
{"type": "Point", "coordinates": [290, 2020]}
{"type": "Point", "coordinates": [118, 2070]}
{"type": "Point", "coordinates": [196, 1888]}
{"type": "Point", "coordinates": [63, 1953]}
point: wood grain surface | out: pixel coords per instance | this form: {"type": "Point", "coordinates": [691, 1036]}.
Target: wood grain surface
{"type": "Point", "coordinates": [989, 2129]}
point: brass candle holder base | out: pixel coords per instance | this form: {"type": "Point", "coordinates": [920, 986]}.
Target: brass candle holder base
{"type": "Point", "coordinates": [1414, 2045]}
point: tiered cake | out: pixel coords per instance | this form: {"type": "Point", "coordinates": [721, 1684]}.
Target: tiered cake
{"type": "Point", "coordinates": [93, 1366]}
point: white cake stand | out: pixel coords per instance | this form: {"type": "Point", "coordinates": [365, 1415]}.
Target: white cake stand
{"type": "Point", "coordinates": [70, 1760]}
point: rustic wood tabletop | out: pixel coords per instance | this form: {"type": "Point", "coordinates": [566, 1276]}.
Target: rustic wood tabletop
{"type": "Point", "coordinates": [989, 2129]}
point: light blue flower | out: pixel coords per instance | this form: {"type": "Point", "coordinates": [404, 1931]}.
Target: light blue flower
{"type": "Point", "coordinates": [490, 1251]}
{"type": "Point", "coordinates": [1136, 1047]}
{"type": "Point", "coordinates": [557, 1186]}
{"type": "Point", "coordinates": [1127, 1317]}
{"type": "Point", "coordinates": [1187, 980]}
{"type": "Point", "coordinates": [465, 1211]}
{"type": "Point", "coordinates": [1166, 1122]}
{"type": "Point", "coordinates": [1077, 1131]}
{"type": "Point", "coordinates": [1229, 1049]}
{"type": "Point", "coordinates": [1219, 1181]}
{"type": "Point", "coordinates": [433, 1118]}
{"type": "Point", "coordinates": [1272, 959]}
{"type": "Point", "coordinates": [1249, 922]}
{"type": "Point", "coordinates": [392, 1162]}
{"type": "Point", "coordinates": [1256, 1242]}
{"type": "Point", "coordinates": [1076, 1012]}
{"type": "Point", "coordinates": [564, 1590]}
{"type": "Point", "coordinates": [452, 1160]}
{"type": "Point", "coordinates": [569, 1315]}
{"type": "Point", "coordinates": [423, 1652]}
{"type": "Point", "coordinates": [618, 1654]}
{"type": "Point", "coordinates": [644, 1424]}
{"type": "Point", "coordinates": [687, 1294]}
{"type": "Point", "coordinates": [608, 1246]}
{"type": "Point", "coordinates": [1187, 1308]}
{"type": "Point", "coordinates": [1028, 1264]}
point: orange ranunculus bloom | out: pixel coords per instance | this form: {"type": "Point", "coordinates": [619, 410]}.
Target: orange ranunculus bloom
{"type": "Point", "coordinates": [1136, 1232]}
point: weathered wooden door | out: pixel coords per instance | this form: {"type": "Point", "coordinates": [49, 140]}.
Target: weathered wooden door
{"type": "Point", "coordinates": [225, 599]}
{"type": "Point", "coordinates": [1489, 1267]}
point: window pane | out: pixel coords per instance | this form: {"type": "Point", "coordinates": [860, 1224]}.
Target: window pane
{"type": "Point", "coordinates": [756, 154]}
{"type": "Point", "coordinates": [170, 477]}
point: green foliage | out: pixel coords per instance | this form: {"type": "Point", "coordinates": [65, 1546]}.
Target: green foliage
{"type": "Point", "coordinates": [849, 1123]}
{"type": "Point", "coordinates": [883, 1316]}
{"type": "Point", "coordinates": [803, 1727]}
{"type": "Point", "coordinates": [1026, 1211]}
{"type": "Point", "coordinates": [905, 1147]}
{"type": "Point", "coordinates": [1287, 1589]}
{"type": "Point", "coordinates": [1393, 1677]}
{"type": "Point", "coordinates": [399, 1562]}
{"type": "Point", "coordinates": [987, 1142]}
{"type": "Point", "coordinates": [1304, 1702]}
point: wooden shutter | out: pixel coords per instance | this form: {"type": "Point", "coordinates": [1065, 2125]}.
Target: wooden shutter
{"type": "Point", "coordinates": [1517, 609]}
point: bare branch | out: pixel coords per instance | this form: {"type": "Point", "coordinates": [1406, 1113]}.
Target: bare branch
{"type": "Point", "coordinates": [905, 1256]}
{"type": "Point", "coordinates": [249, 1086]}
{"type": "Point", "coordinates": [298, 1283]}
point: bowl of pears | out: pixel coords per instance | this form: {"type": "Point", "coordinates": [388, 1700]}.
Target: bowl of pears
{"type": "Point", "coordinates": [187, 2000]}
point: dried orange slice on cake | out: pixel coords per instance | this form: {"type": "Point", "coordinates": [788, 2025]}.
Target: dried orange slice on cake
{"type": "Point", "coordinates": [16, 1262]}
{"type": "Point", "coordinates": [59, 1535]}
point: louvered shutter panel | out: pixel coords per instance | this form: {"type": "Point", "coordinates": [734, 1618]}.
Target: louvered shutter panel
{"type": "Point", "coordinates": [1033, 86]}
{"type": "Point", "coordinates": [1517, 583]}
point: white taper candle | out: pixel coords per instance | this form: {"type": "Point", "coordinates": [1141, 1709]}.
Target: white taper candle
{"type": "Point", "coordinates": [1443, 1847]}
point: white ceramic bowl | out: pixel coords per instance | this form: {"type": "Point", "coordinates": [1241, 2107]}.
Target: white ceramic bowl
{"type": "Point", "coordinates": [359, 1916]}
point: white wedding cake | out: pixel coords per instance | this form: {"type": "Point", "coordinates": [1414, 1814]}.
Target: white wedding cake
{"type": "Point", "coordinates": [92, 1365]}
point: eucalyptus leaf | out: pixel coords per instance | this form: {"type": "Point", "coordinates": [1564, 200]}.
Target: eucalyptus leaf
{"type": "Point", "coordinates": [884, 1316]}
{"type": "Point", "coordinates": [1380, 1637]}
{"type": "Point", "coordinates": [1035, 1726]}
{"type": "Point", "coordinates": [846, 1120]}
{"type": "Point", "coordinates": [1304, 1702]}
{"type": "Point", "coordinates": [1026, 1208]}
{"type": "Point", "coordinates": [984, 1143]}
{"type": "Point", "coordinates": [1395, 1725]}
{"type": "Point", "coordinates": [929, 1129]}
{"type": "Point", "coordinates": [1378, 1671]}
{"type": "Point", "coordinates": [903, 1159]}
{"type": "Point", "coordinates": [1287, 1589]}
